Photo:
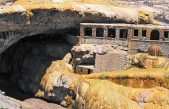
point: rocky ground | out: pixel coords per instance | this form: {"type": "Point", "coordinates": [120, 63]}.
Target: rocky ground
{"type": "Point", "coordinates": [31, 103]}
{"type": "Point", "coordinates": [160, 6]}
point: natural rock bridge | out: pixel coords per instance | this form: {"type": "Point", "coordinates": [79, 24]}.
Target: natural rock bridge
{"type": "Point", "coordinates": [133, 36]}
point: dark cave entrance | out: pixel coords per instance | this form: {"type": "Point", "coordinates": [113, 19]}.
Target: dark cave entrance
{"type": "Point", "coordinates": [155, 35]}
{"type": "Point", "coordinates": [24, 63]}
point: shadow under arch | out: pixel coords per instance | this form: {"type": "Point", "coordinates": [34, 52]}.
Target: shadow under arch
{"type": "Point", "coordinates": [155, 35]}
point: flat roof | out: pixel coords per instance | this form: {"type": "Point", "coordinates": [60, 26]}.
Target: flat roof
{"type": "Point", "coordinates": [128, 25]}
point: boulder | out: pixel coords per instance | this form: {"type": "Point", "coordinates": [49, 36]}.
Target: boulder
{"type": "Point", "coordinates": [56, 82]}
{"type": "Point", "coordinates": [67, 58]}
{"type": "Point", "coordinates": [143, 60]}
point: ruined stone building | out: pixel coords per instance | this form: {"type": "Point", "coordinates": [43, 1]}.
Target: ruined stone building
{"type": "Point", "coordinates": [128, 37]}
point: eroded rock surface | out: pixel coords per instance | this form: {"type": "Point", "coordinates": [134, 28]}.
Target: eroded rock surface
{"type": "Point", "coordinates": [27, 61]}
{"type": "Point", "coordinates": [56, 82]}
{"type": "Point", "coordinates": [37, 71]}
{"type": "Point", "coordinates": [144, 60]}
{"type": "Point", "coordinates": [75, 91]}
{"type": "Point", "coordinates": [26, 18]}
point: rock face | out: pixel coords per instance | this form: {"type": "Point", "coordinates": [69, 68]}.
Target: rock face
{"type": "Point", "coordinates": [26, 18]}
{"type": "Point", "coordinates": [56, 82]}
{"type": "Point", "coordinates": [61, 85]}
{"type": "Point", "coordinates": [27, 61]}
{"type": "Point", "coordinates": [96, 93]}
{"type": "Point", "coordinates": [34, 68]}
{"type": "Point", "coordinates": [146, 61]}
{"type": "Point", "coordinates": [135, 77]}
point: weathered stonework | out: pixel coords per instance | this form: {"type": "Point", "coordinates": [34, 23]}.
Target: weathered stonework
{"type": "Point", "coordinates": [141, 41]}
{"type": "Point", "coordinates": [110, 61]}
{"type": "Point", "coordinates": [84, 69]}
{"type": "Point", "coordinates": [125, 37]}
{"type": "Point", "coordinates": [91, 58]}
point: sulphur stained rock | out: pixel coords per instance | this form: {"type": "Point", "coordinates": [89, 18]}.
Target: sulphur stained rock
{"type": "Point", "coordinates": [59, 85]}
{"type": "Point", "coordinates": [146, 61]}
{"type": "Point", "coordinates": [67, 58]}
{"type": "Point", "coordinates": [62, 86]}
{"type": "Point", "coordinates": [56, 82]}
{"type": "Point", "coordinates": [135, 77]}
{"type": "Point", "coordinates": [96, 94]}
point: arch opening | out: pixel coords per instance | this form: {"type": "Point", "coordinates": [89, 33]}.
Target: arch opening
{"type": "Point", "coordinates": [23, 64]}
{"type": "Point", "coordinates": [155, 35]}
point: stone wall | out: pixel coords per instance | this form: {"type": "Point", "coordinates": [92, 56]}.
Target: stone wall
{"type": "Point", "coordinates": [121, 42]}
{"type": "Point", "coordinates": [136, 45]}
{"type": "Point", "coordinates": [111, 61]}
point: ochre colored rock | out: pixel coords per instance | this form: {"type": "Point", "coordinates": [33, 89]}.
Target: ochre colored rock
{"type": "Point", "coordinates": [147, 17]}
{"type": "Point", "coordinates": [67, 58]}
{"type": "Point", "coordinates": [62, 86]}
{"type": "Point", "coordinates": [56, 82]}
{"type": "Point", "coordinates": [57, 71]}
{"type": "Point", "coordinates": [144, 60]}
{"type": "Point", "coordinates": [93, 93]}
{"type": "Point", "coordinates": [135, 77]}
{"type": "Point", "coordinates": [97, 94]}
{"type": "Point", "coordinates": [106, 8]}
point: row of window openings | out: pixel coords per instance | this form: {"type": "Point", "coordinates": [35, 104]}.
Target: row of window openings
{"type": "Point", "coordinates": [154, 33]}
{"type": "Point", "coordinates": [123, 33]}
{"type": "Point", "coordinates": [111, 32]}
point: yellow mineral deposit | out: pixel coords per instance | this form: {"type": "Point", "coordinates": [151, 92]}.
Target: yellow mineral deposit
{"type": "Point", "coordinates": [99, 90]}
{"type": "Point", "coordinates": [143, 85]}
{"type": "Point", "coordinates": [107, 8]}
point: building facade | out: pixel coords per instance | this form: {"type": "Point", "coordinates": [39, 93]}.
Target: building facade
{"type": "Point", "coordinates": [135, 37]}
{"type": "Point", "coordinates": [132, 38]}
